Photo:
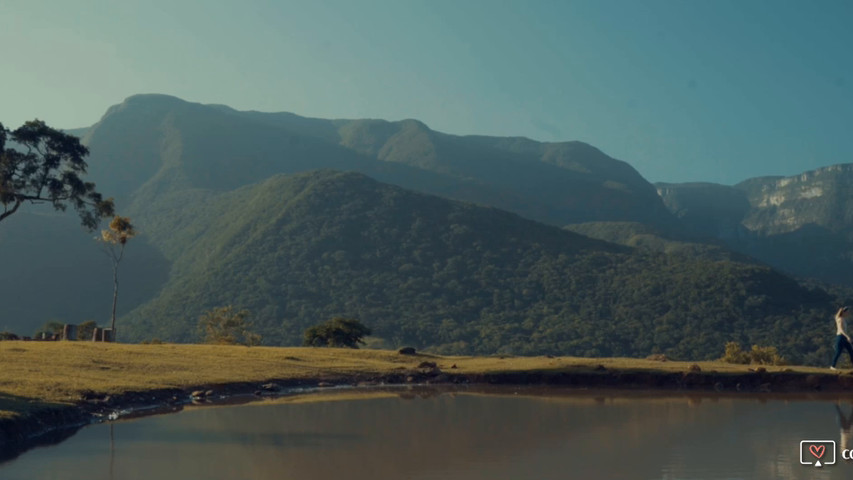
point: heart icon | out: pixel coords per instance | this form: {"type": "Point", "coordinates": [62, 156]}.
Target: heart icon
{"type": "Point", "coordinates": [817, 450]}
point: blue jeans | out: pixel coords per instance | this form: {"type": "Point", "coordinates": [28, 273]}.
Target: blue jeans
{"type": "Point", "coordinates": [841, 342]}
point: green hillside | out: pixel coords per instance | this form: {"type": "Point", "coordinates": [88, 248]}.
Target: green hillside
{"type": "Point", "coordinates": [429, 272]}
{"type": "Point", "coordinates": [648, 238]}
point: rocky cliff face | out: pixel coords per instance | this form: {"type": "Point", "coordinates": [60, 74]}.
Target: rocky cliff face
{"type": "Point", "coordinates": [822, 197]}
{"type": "Point", "coordinates": [801, 224]}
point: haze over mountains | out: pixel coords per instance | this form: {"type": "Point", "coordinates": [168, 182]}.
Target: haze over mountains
{"type": "Point", "coordinates": [152, 139]}
{"type": "Point", "coordinates": [225, 221]}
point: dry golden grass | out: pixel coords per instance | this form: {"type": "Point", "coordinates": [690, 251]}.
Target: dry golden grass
{"type": "Point", "coordinates": [58, 372]}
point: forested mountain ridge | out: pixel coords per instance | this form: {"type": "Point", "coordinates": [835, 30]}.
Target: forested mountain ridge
{"type": "Point", "coordinates": [459, 278]}
{"type": "Point", "coordinates": [164, 142]}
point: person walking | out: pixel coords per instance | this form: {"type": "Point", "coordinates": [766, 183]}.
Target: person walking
{"type": "Point", "coordinates": [842, 340]}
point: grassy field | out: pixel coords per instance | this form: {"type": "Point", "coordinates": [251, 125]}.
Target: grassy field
{"type": "Point", "coordinates": [39, 373]}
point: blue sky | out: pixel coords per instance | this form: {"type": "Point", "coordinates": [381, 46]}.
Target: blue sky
{"type": "Point", "coordinates": [683, 90]}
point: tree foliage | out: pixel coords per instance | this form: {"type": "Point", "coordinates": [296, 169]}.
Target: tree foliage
{"type": "Point", "coordinates": [86, 329]}
{"type": "Point", "coordinates": [337, 332]}
{"type": "Point", "coordinates": [8, 336]}
{"type": "Point", "coordinates": [51, 327]}
{"type": "Point", "coordinates": [226, 326]}
{"type": "Point", "coordinates": [45, 166]}
{"type": "Point", "coordinates": [119, 232]}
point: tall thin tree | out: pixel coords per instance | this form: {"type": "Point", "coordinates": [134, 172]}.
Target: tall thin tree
{"type": "Point", "coordinates": [114, 240]}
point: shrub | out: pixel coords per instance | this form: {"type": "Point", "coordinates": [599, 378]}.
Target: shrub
{"type": "Point", "coordinates": [765, 356]}
{"type": "Point", "coordinates": [85, 329]}
{"type": "Point", "coordinates": [225, 326]}
{"type": "Point", "coordinates": [252, 339]}
{"type": "Point", "coordinates": [337, 332]}
{"type": "Point", "coordinates": [734, 354]}
{"type": "Point", "coordinates": [758, 355]}
{"type": "Point", "coordinates": [50, 328]}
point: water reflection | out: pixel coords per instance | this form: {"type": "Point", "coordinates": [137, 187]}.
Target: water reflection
{"type": "Point", "coordinates": [845, 423]}
{"type": "Point", "coordinates": [421, 435]}
{"type": "Point", "coordinates": [112, 452]}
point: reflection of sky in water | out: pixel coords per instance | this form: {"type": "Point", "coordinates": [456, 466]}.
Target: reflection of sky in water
{"type": "Point", "coordinates": [284, 440]}
{"type": "Point", "coordinates": [456, 437]}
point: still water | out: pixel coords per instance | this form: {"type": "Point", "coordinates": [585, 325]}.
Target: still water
{"type": "Point", "coordinates": [461, 435]}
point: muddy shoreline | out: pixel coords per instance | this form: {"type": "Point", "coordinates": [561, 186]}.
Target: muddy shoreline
{"type": "Point", "coordinates": [54, 424]}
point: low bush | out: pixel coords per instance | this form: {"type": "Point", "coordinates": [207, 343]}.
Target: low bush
{"type": "Point", "coordinates": [757, 355]}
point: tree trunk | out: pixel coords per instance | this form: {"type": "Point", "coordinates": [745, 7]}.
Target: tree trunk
{"type": "Point", "coordinates": [115, 298]}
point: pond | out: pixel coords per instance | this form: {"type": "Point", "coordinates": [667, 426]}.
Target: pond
{"type": "Point", "coordinates": [423, 434]}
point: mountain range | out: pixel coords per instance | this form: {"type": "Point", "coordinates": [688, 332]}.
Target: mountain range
{"type": "Point", "coordinates": [156, 141]}
{"type": "Point", "coordinates": [462, 244]}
